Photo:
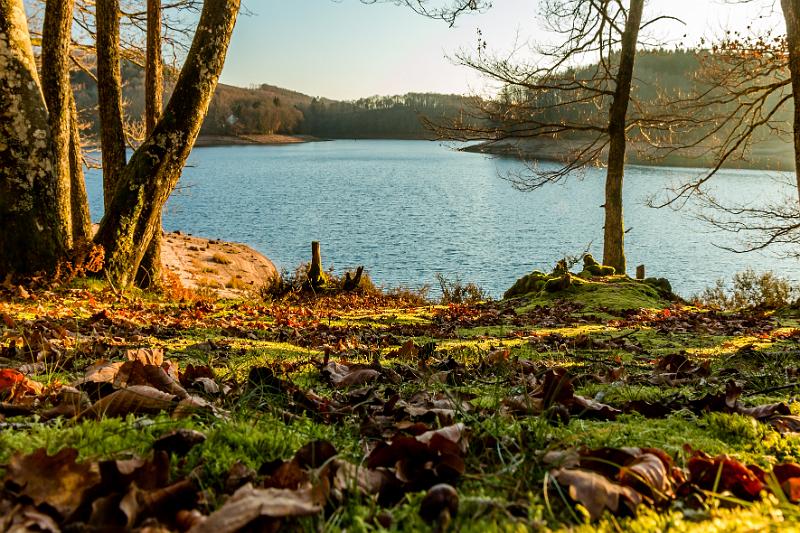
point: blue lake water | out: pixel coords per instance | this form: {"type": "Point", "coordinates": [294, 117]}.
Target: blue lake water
{"type": "Point", "coordinates": [407, 210]}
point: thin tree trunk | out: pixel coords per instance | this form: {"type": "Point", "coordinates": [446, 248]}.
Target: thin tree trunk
{"type": "Point", "coordinates": [81, 220]}
{"type": "Point", "coordinates": [109, 96]}
{"type": "Point", "coordinates": [791, 14]}
{"type": "Point", "coordinates": [149, 273]}
{"type": "Point", "coordinates": [31, 236]}
{"type": "Point", "coordinates": [614, 231]}
{"type": "Point", "coordinates": [154, 170]}
{"type": "Point", "coordinates": [56, 38]}
{"type": "Point", "coordinates": [154, 69]}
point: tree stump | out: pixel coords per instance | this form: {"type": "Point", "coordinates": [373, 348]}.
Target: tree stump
{"type": "Point", "coordinates": [316, 276]}
{"type": "Point", "coordinates": [640, 273]}
{"type": "Point", "coordinates": [351, 284]}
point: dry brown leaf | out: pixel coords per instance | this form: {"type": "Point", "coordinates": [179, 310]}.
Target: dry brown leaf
{"type": "Point", "coordinates": [350, 476]}
{"type": "Point", "coordinates": [135, 399]}
{"type": "Point", "coordinates": [248, 504]}
{"type": "Point", "coordinates": [57, 480]}
{"type": "Point", "coordinates": [454, 434]}
{"type": "Point", "coordinates": [341, 375]}
{"type": "Point", "coordinates": [102, 371]}
{"type": "Point", "coordinates": [649, 471]}
{"type": "Point", "coordinates": [146, 356]}
{"type": "Point", "coordinates": [595, 492]}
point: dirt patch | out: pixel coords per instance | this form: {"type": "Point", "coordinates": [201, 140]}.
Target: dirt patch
{"type": "Point", "coordinates": [229, 269]}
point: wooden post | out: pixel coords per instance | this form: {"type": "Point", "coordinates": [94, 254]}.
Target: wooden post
{"type": "Point", "coordinates": [640, 272]}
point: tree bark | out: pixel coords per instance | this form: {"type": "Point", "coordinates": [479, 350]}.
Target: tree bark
{"type": "Point", "coordinates": [154, 69]}
{"type": "Point", "coordinates": [614, 231]}
{"type": "Point", "coordinates": [31, 235]}
{"type": "Point", "coordinates": [56, 39]}
{"type": "Point", "coordinates": [791, 14]}
{"type": "Point", "coordinates": [149, 273]}
{"type": "Point", "coordinates": [109, 96]}
{"type": "Point", "coordinates": [154, 169]}
{"type": "Point", "coordinates": [81, 220]}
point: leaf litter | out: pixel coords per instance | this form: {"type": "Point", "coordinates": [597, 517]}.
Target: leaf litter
{"type": "Point", "coordinates": [414, 394]}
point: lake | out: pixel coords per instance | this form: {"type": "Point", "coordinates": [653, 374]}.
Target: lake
{"type": "Point", "coordinates": [407, 210]}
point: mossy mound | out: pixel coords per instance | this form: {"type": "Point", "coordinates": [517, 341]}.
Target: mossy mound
{"type": "Point", "coordinates": [596, 287]}
{"type": "Point", "coordinates": [608, 294]}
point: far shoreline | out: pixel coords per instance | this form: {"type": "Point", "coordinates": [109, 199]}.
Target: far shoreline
{"type": "Point", "coordinates": [273, 139]}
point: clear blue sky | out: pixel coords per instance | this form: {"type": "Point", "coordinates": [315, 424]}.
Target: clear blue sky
{"type": "Point", "coordinates": [344, 49]}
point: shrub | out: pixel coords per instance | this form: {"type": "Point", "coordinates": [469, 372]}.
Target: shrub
{"type": "Point", "coordinates": [220, 259]}
{"type": "Point", "coordinates": [418, 296]}
{"type": "Point", "coordinates": [456, 292]}
{"type": "Point", "coordinates": [750, 291]}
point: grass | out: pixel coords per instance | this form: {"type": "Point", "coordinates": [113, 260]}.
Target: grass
{"type": "Point", "coordinates": [503, 487]}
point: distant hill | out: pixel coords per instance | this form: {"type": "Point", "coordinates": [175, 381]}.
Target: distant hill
{"type": "Point", "coordinates": [267, 109]}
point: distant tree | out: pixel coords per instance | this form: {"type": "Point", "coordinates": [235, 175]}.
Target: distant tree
{"type": "Point", "coordinates": [747, 87]}
{"type": "Point", "coordinates": [554, 99]}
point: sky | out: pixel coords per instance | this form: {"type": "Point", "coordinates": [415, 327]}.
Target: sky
{"type": "Point", "coordinates": [344, 49]}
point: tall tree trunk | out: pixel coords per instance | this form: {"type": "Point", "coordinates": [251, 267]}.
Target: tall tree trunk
{"type": "Point", "coordinates": [109, 96]}
{"type": "Point", "coordinates": [149, 273]}
{"type": "Point", "coordinates": [791, 14]}
{"type": "Point", "coordinates": [81, 220]}
{"type": "Point", "coordinates": [614, 231]}
{"type": "Point", "coordinates": [56, 38]}
{"type": "Point", "coordinates": [154, 170]}
{"type": "Point", "coordinates": [31, 235]}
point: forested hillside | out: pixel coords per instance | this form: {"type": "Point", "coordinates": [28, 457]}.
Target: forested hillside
{"type": "Point", "coordinates": [266, 109]}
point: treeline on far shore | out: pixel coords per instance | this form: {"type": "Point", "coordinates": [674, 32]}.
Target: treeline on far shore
{"type": "Point", "coordinates": [267, 109]}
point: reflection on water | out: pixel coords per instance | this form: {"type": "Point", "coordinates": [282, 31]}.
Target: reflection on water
{"type": "Point", "coordinates": [409, 209]}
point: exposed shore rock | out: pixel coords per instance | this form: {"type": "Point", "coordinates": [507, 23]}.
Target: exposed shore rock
{"type": "Point", "coordinates": [227, 269]}
{"type": "Point", "coordinates": [231, 270]}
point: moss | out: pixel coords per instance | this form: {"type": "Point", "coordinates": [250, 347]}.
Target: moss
{"type": "Point", "coordinates": [532, 282]}
{"type": "Point", "coordinates": [558, 284]}
{"type": "Point", "coordinates": [613, 294]}
{"type": "Point", "coordinates": [592, 268]}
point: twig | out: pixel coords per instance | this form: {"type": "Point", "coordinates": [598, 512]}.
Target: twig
{"type": "Point", "coordinates": [773, 389]}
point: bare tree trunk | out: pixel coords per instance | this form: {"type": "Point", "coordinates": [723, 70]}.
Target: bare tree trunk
{"type": "Point", "coordinates": [154, 69]}
{"type": "Point", "coordinates": [131, 218]}
{"type": "Point", "coordinates": [614, 232]}
{"type": "Point", "coordinates": [81, 220]}
{"type": "Point", "coordinates": [791, 13]}
{"type": "Point", "coordinates": [149, 273]}
{"type": "Point", "coordinates": [56, 33]}
{"type": "Point", "coordinates": [109, 96]}
{"type": "Point", "coordinates": [31, 235]}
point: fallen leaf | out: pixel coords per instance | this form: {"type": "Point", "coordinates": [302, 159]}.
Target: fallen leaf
{"type": "Point", "coordinates": [596, 492]}
{"type": "Point", "coordinates": [56, 480]}
{"type": "Point", "coordinates": [249, 504]}
{"type": "Point", "coordinates": [132, 400]}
